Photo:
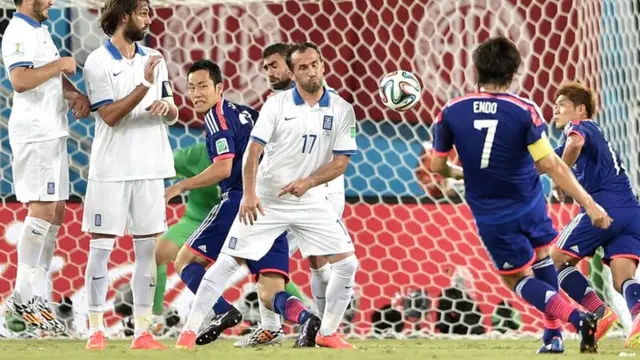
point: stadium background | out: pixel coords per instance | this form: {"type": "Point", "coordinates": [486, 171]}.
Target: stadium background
{"type": "Point", "coordinates": [407, 235]}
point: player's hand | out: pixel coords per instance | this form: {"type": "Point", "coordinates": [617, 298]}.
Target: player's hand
{"type": "Point", "coordinates": [297, 188]}
{"type": "Point", "coordinates": [158, 108]}
{"type": "Point", "coordinates": [66, 65]}
{"type": "Point", "coordinates": [599, 217]}
{"type": "Point", "coordinates": [558, 193]}
{"type": "Point", "coordinates": [172, 191]}
{"type": "Point", "coordinates": [80, 106]}
{"type": "Point", "coordinates": [249, 208]}
{"type": "Point", "coordinates": [150, 67]}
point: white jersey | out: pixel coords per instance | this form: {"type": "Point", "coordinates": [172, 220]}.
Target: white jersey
{"type": "Point", "coordinates": [137, 147]}
{"type": "Point", "coordinates": [302, 139]}
{"type": "Point", "coordinates": [39, 114]}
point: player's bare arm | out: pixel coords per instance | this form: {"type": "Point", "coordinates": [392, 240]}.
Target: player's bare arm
{"type": "Point", "coordinates": [250, 205]}
{"type": "Point", "coordinates": [116, 111]}
{"type": "Point", "coordinates": [212, 175]}
{"type": "Point", "coordinates": [440, 165]}
{"type": "Point", "coordinates": [25, 79]}
{"type": "Point", "coordinates": [323, 175]}
{"type": "Point", "coordinates": [79, 103]}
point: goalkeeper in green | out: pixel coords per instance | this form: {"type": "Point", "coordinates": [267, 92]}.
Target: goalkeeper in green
{"type": "Point", "coordinates": [190, 162]}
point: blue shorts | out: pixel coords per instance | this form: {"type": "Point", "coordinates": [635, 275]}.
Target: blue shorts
{"type": "Point", "coordinates": [622, 239]}
{"type": "Point", "coordinates": [511, 244]}
{"type": "Point", "coordinates": [208, 239]}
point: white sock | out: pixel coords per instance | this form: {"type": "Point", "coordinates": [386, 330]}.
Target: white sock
{"type": "Point", "coordinates": [319, 281]}
{"type": "Point", "coordinates": [240, 275]}
{"type": "Point", "coordinates": [29, 247]}
{"type": "Point", "coordinates": [40, 274]}
{"type": "Point", "coordinates": [213, 284]}
{"type": "Point", "coordinates": [268, 319]}
{"type": "Point", "coordinates": [339, 291]}
{"type": "Point", "coordinates": [143, 283]}
{"type": "Point", "coordinates": [97, 280]}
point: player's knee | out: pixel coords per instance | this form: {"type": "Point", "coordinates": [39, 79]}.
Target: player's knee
{"type": "Point", "coordinates": [184, 258]}
{"type": "Point", "coordinates": [511, 280]}
{"type": "Point", "coordinates": [561, 259]}
{"type": "Point", "coordinates": [43, 210]}
{"type": "Point", "coordinates": [622, 269]}
{"type": "Point", "coordinates": [316, 262]}
{"type": "Point", "coordinates": [166, 251]}
{"type": "Point", "coordinates": [102, 243]}
{"type": "Point", "coordinates": [345, 267]}
{"type": "Point", "coordinates": [542, 253]}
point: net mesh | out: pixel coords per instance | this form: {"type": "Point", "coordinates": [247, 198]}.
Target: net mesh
{"type": "Point", "coordinates": [423, 269]}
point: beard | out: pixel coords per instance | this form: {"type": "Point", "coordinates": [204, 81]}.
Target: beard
{"type": "Point", "coordinates": [283, 84]}
{"type": "Point", "coordinates": [39, 13]}
{"type": "Point", "coordinates": [132, 32]}
{"type": "Point", "coordinates": [312, 86]}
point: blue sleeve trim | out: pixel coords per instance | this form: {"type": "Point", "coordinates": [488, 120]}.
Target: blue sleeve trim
{"type": "Point", "coordinates": [27, 64]}
{"type": "Point", "coordinates": [258, 140]}
{"type": "Point", "coordinates": [345, 152]}
{"type": "Point", "coordinates": [97, 105]}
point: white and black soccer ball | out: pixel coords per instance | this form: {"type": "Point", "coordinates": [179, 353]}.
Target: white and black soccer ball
{"type": "Point", "coordinates": [400, 90]}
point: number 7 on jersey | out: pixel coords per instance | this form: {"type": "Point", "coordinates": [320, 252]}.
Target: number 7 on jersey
{"type": "Point", "coordinates": [491, 126]}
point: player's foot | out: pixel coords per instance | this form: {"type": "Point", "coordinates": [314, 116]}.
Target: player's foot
{"type": "Point", "coordinates": [260, 337]}
{"type": "Point", "coordinates": [186, 340]}
{"type": "Point", "coordinates": [633, 339]}
{"type": "Point", "coordinates": [146, 342]}
{"type": "Point", "coordinates": [96, 341]}
{"type": "Point", "coordinates": [334, 341]}
{"type": "Point", "coordinates": [219, 324]}
{"type": "Point", "coordinates": [588, 327]}
{"type": "Point", "coordinates": [48, 315]}
{"type": "Point", "coordinates": [28, 313]}
{"type": "Point", "coordinates": [308, 332]}
{"type": "Point", "coordinates": [555, 346]}
{"type": "Point", "coordinates": [607, 319]}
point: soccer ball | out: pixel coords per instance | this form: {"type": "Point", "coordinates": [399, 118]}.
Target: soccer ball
{"type": "Point", "coordinates": [400, 90]}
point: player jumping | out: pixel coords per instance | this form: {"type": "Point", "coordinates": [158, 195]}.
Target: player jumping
{"type": "Point", "coordinates": [38, 133]}
{"type": "Point", "coordinates": [130, 158]}
{"type": "Point", "coordinates": [599, 168]}
{"type": "Point", "coordinates": [312, 133]}
{"type": "Point", "coordinates": [500, 139]}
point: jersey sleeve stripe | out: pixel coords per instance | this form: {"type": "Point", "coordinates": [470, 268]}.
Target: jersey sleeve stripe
{"type": "Point", "coordinates": [223, 157]}
{"type": "Point", "coordinates": [210, 123]}
{"type": "Point", "coordinates": [221, 118]}
{"type": "Point", "coordinates": [27, 64]}
{"type": "Point", "coordinates": [100, 103]}
{"type": "Point", "coordinates": [258, 140]}
{"type": "Point", "coordinates": [345, 152]}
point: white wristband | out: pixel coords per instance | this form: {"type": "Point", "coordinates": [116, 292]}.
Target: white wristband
{"type": "Point", "coordinates": [146, 83]}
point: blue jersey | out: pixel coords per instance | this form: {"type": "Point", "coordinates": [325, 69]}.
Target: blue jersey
{"type": "Point", "coordinates": [228, 127]}
{"type": "Point", "coordinates": [599, 168]}
{"type": "Point", "coordinates": [491, 133]}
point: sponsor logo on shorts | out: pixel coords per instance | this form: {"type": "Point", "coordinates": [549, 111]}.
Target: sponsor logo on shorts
{"type": "Point", "coordinates": [233, 242]}
{"type": "Point", "coordinates": [327, 124]}
{"type": "Point", "coordinates": [51, 188]}
{"type": "Point", "coordinates": [98, 220]}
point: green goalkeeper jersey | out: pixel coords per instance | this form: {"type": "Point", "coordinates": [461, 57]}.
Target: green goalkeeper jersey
{"type": "Point", "coordinates": [189, 162]}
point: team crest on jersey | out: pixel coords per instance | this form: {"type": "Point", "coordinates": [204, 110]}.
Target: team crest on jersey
{"type": "Point", "coordinates": [51, 188]}
{"type": "Point", "coordinates": [222, 146]}
{"type": "Point", "coordinates": [233, 242]}
{"type": "Point", "coordinates": [327, 124]}
{"type": "Point", "coordinates": [98, 220]}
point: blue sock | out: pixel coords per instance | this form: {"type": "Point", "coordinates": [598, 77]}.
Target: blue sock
{"type": "Point", "coordinates": [192, 275]}
{"type": "Point", "coordinates": [631, 292]}
{"type": "Point", "coordinates": [577, 287]}
{"type": "Point", "coordinates": [290, 307]}
{"type": "Point", "coordinates": [544, 298]}
{"type": "Point", "coordinates": [544, 270]}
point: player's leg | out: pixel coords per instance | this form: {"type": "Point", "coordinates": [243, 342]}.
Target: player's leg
{"type": "Point", "coordinates": [577, 240]}
{"type": "Point", "coordinates": [105, 214]}
{"type": "Point", "coordinates": [250, 242]}
{"type": "Point", "coordinates": [513, 254]}
{"type": "Point", "coordinates": [322, 233]}
{"type": "Point", "coordinates": [147, 220]}
{"type": "Point", "coordinates": [41, 179]}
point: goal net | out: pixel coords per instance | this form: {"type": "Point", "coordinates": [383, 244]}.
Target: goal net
{"type": "Point", "coordinates": [423, 269]}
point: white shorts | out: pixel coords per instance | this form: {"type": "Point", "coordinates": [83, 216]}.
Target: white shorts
{"type": "Point", "coordinates": [137, 206]}
{"type": "Point", "coordinates": [320, 231]}
{"type": "Point", "coordinates": [41, 170]}
{"type": "Point", "coordinates": [336, 200]}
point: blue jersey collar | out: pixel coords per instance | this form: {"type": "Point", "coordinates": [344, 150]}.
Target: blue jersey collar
{"type": "Point", "coordinates": [298, 100]}
{"type": "Point", "coordinates": [115, 53]}
{"type": "Point", "coordinates": [31, 21]}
